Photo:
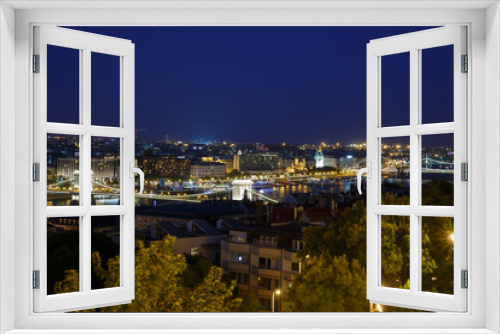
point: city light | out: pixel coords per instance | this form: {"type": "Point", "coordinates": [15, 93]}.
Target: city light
{"type": "Point", "coordinates": [249, 175]}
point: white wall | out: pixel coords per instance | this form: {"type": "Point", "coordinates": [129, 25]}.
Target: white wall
{"type": "Point", "coordinates": [492, 164]}
{"type": "Point", "coordinates": [7, 157]}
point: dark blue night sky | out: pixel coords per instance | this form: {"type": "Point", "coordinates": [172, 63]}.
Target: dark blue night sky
{"type": "Point", "coordinates": [253, 84]}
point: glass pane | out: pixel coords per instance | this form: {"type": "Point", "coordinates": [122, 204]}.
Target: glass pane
{"type": "Point", "coordinates": [437, 254]}
{"type": "Point", "coordinates": [105, 247]}
{"type": "Point", "coordinates": [105, 171]}
{"type": "Point", "coordinates": [396, 252]}
{"type": "Point", "coordinates": [437, 84]}
{"type": "Point", "coordinates": [63, 175]}
{"type": "Point", "coordinates": [63, 85]}
{"type": "Point", "coordinates": [63, 255]}
{"type": "Point", "coordinates": [437, 170]}
{"type": "Point", "coordinates": [105, 90]}
{"type": "Point", "coordinates": [395, 171]}
{"type": "Point", "coordinates": [395, 88]}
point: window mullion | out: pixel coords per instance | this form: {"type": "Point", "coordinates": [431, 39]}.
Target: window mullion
{"type": "Point", "coordinates": [85, 168]}
{"type": "Point", "coordinates": [415, 250]}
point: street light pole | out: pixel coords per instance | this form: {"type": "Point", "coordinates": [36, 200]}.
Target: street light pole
{"type": "Point", "coordinates": [277, 291]}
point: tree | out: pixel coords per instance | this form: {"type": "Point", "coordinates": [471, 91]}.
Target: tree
{"type": "Point", "coordinates": [159, 284]}
{"type": "Point", "coordinates": [329, 284]}
{"type": "Point", "coordinates": [196, 270]}
{"type": "Point", "coordinates": [62, 256]}
{"type": "Point", "coordinates": [333, 277]}
{"type": "Point", "coordinates": [250, 302]}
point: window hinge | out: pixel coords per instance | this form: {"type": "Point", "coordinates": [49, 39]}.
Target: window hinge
{"type": "Point", "coordinates": [36, 279]}
{"type": "Point", "coordinates": [36, 63]}
{"type": "Point", "coordinates": [465, 279]}
{"type": "Point", "coordinates": [465, 64]}
{"type": "Point", "coordinates": [464, 171]}
{"type": "Point", "coordinates": [36, 172]}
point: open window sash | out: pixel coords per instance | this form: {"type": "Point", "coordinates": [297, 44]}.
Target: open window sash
{"type": "Point", "coordinates": [414, 43]}
{"type": "Point", "coordinates": [84, 297]}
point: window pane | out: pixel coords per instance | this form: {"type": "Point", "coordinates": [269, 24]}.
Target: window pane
{"type": "Point", "coordinates": [63, 255]}
{"type": "Point", "coordinates": [105, 171]}
{"type": "Point", "coordinates": [395, 171]}
{"type": "Point", "coordinates": [105, 89]}
{"type": "Point", "coordinates": [437, 254]}
{"type": "Point", "coordinates": [63, 85]}
{"type": "Point", "coordinates": [396, 252]}
{"type": "Point", "coordinates": [105, 252]}
{"type": "Point", "coordinates": [437, 170]}
{"type": "Point", "coordinates": [63, 175]}
{"type": "Point", "coordinates": [395, 88]}
{"type": "Point", "coordinates": [437, 84]}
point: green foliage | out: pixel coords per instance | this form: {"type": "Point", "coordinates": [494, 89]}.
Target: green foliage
{"type": "Point", "coordinates": [438, 192]}
{"type": "Point", "coordinates": [346, 236]}
{"type": "Point", "coordinates": [62, 258]}
{"type": "Point", "coordinates": [159, 285]}
{"type": "Point", "coordinates": [250, 302]}
{"type": "Point", "coordinates": [395, 250]}
{"type": "Point", "coordinates": [70, 283]}
{"type": "Point", "coordinates": [329, 285]}
{"type": "Point", "coordinates": [333, 275]}
{"type": "Point", "coordinates": [197, 268]}
{"type": "Point", "coordinates": [106, 250]}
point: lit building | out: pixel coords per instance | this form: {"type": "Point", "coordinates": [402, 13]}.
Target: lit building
{"type": "Point", "coordinates": [105, 169]}
{"type": "Point", "coordinates": [66, 168]}
{"type": "Point", "coordinates": [295, 164]}
{"type": "Point", "coordinates": [208, 169]}
{"type": "Point", "coordinates": [262, 162]}
{"type": "Point", "coordinates": [165, 166]}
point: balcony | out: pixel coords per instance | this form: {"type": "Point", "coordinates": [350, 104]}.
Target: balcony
{"type": "Point", "coordinates": [236, 247]}
{"type": "Point", "coordinates": [271, 273]}
{"type": "Point", "coordinates": [239, 266]}
{"type": "Point", "coordinates": [263, 292]}
{"type": "Point", "coordinates": [267, 252]}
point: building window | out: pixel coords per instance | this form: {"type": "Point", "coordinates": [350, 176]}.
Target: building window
{"type": "Point", "coordinates": [265, 263]}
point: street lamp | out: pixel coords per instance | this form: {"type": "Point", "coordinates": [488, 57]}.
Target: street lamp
{"type": "Point", "coordinates": [278, 292]}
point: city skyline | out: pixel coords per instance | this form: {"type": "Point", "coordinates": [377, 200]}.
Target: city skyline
{"type": "Point", "coordinates": [256, 84]}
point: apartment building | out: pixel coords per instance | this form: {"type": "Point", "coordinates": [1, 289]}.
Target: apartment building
{"type": "Point", "coordinates": [262, 258]}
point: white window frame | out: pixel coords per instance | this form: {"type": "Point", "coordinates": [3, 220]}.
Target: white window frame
{"type": "Point", "coordinates": [483, 20]}
{"type": "Point", "coordinates": [414, 44]}
{"type": "Point", "coordinates": [85, 43]}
